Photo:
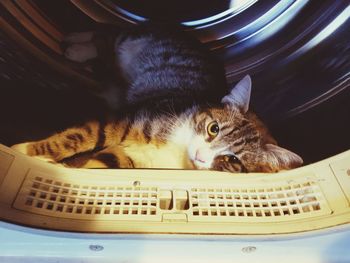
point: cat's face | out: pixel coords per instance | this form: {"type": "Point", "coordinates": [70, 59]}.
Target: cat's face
{"type": "Point", "coordinates": [230, 138]}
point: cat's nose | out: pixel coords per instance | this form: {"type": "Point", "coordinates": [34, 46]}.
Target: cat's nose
{"type": "Point", "coordinates": [200, 157]}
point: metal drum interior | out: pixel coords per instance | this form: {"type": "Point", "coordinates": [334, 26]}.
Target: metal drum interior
{"type": "Point", "coordinates": [297, 53]}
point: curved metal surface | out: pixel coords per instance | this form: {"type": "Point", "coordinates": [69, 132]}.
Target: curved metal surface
{"type": "Point", "coordinates": [260, 38]}
{"type": "Point", "coordinates": [297, 51]}
{"type": "Point", "coordinates": [26, 24]}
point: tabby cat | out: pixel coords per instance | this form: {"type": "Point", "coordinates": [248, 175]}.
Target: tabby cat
{"type": "Point", "coordinates": [177, 112]}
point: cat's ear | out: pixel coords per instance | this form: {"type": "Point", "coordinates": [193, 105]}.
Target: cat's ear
{"type": "Point", "coordinates": [278, 158]}
{"type": "Point", "coordinates": [239, 96]}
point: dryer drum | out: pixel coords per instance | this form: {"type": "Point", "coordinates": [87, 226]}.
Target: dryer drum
{"type": "Point", "coordinates": [297, 53]}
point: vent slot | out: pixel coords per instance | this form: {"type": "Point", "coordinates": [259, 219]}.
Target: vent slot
{"type": "Point", "coordinates": [166, 200]}
{"type": "Point", "coordinates": [181, 200]}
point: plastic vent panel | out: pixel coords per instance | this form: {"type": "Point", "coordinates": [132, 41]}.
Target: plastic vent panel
{"type": "Point", "coordinates": [47, 196]}
{"type": "Point", "coordinates": [239, 202]}
{"type": "Point", "coordinates": [297, 199]}
{"type": "Point", "coordinates": [39, 194]}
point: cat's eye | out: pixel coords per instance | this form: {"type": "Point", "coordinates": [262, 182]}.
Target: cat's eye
{"type": "Point", "coordinates": [213, 129]}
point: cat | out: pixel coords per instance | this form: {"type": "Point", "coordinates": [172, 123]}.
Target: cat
{"type": "Point", "coordinates": [178, 112]}
{"type": "Point", "coordinates": [150, 62]}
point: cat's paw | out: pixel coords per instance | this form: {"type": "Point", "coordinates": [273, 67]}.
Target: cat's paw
{"type": "Point", "coordinates": [228, 163]}
{"type": "Point", "coordinates": [79, 37]}
{"type": "Point", "coordinates": [21, 147]}
{"type": "Point", "coordinates": [81, 52]}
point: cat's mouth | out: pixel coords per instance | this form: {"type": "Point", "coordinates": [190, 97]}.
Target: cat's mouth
{"type": "Point", "coordinates": [199, 161]}
{"type": "Point", "coordinates": [200, 165]}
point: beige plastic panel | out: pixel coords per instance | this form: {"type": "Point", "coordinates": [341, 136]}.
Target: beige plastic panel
{"type": "Point", "coordinates": [44, 195]}
{"type": "Point", "coordinates": [342, 172]}
{"type": "Point", "coordinates": [5, 162]}
{"type": "Point", "coordinates": [53, 196]}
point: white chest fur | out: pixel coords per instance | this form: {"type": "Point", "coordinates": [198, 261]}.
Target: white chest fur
{"type": "Point", "coordinates": [170, 155]}
{"type": "Point", "coordinates": [173, 154]}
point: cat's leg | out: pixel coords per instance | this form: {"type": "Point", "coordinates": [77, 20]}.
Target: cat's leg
{"type": "Point", "coordinates": [79, 47]}
{"type": "Point", "coordinates": [84, 46]}
{"type": "Point", "coordinates": [67, 143]}
{"type": "Point", "coordinates": [98, 49]}
{"type": "Point", "coordinates": [81, 52]}
{"type": "Point", "coordinates": [111, 157]}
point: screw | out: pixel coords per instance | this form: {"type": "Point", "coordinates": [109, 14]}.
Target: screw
{"type": "Point", "coordinates": [137, 183]}
{"type": "Point", "coordinates": [249, 249]}
{"type": "Point", "coordinates": [96, 247]}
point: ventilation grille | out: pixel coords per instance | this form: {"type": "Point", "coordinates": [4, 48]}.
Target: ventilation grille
{"type": "Point", "coordinates": [52, 197]}
{"type": "Point", "coordinates": [118, 200]}
{"type": "Point", "coordinates": [290, 200]}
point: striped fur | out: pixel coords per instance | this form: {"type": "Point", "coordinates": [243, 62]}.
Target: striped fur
{"type": "Point", "coordinates": [168, 77]}
{"type": "Point", "coordinates": [168, 141]}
